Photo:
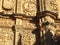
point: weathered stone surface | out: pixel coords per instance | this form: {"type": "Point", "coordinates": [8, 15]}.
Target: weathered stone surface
{"type": "Point", "coordinates": [19, 6]}
{"type": "Point", "coordinates": [51, 5]}
{"type": "Point", "coordinates": [9, 6]}
{"type": "Point", "coordinates": [24, 24]}
{"type": "Point", "coordinates": [0, 5]}
{"type": "Point", "coordinates": [6, 36]}
{"type": "Point", "coordinates": [58, 2]}
{"type": "Point", "coordinates": [24, 33]}
{"type": "Point", "coordinates": [27, 7]}
{"type": "Point", "coordinates": [26, 29]}
{"type": "Point", "coordinates": [5, 22]}
{"type": "Point", "coordinates": [27, 37]}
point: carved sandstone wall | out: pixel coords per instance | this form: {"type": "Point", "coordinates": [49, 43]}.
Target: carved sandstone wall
{"type": "Point", "coordinates": [18, 22]}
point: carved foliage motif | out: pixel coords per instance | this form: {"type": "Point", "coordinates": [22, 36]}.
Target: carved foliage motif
{"type": "Point", "coordinates": [29, 7]}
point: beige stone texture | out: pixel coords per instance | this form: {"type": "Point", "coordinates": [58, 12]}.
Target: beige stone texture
{"type": "Point", "coordinates": [58, 2]}
{"type": "Point", "coordinates": [19, 24]}
{"type": "Point", "coordinates": [6, 36]}
{"type": "Point", "coordinates": [5, 22]}
{"type": "Point", "coordinates": [27, 38]}
{"type": "Point", "coordinates": [0, 5]}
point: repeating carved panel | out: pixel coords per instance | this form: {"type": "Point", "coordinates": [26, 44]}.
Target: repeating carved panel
{"type": "Point", "coordinates": [8, 6]}
{"type": "Point", "coordinates": [51, 5]}
{"type": "Point", "coordinates": [29, 7]}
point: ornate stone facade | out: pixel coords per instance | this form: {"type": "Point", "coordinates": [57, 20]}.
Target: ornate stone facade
{"type": "Point", "coordinates": [25, 22]}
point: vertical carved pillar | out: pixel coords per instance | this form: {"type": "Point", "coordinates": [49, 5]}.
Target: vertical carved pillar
{"type": "Point", "coordinates": [42, 4]}
{"type": "Point", "coordinates": [19, 6]}
{"type": "Point", "coordinates": [17, 32]}
{"type": "Point", "coordinates": [42, 30]}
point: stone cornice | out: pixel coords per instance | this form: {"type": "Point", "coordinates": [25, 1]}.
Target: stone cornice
{"type": "Point", "coordinates": [14, 16]}
{"type": "Point", "coordinates": [47, 13]}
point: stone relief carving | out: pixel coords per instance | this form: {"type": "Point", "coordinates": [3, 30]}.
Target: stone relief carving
{"type": "Point", "coordinates": [51, 5]}
{"type": "Point", "coordinates": [8, 6]}
{"type": "Point", "coordinates": [27, 38]}
{"type": "Point", "coordinates": [6, 36]}
{"type": "Point", "coordinates": [29, 7]}
{"type": "Point", "coordinates": [6, 22]}
{"type": "Point", "coordinates": [54, 6]}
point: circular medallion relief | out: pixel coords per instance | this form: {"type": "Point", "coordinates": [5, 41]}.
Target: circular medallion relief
{"type": "Point", "coordinates": [29, 7]}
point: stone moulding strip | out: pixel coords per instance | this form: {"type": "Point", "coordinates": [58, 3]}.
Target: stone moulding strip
{"type": "Point", "coordinates": [21, 16]}
{"type": "Point", "coordinates": [26, 28]}
{"type": "Point", "coordinates": [5, 26]}
{"type": "Point", "coordinates": [47, 13]}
